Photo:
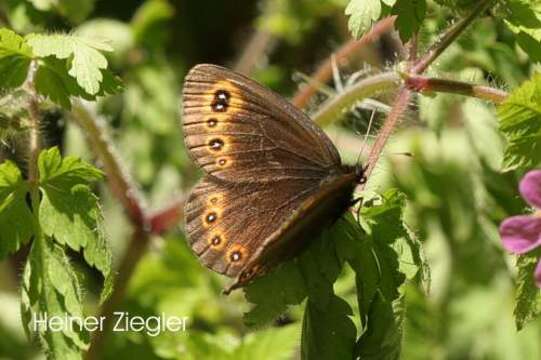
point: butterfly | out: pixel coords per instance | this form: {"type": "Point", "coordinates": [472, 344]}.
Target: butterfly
{"type": "Point", "coordinates": [273, 179]}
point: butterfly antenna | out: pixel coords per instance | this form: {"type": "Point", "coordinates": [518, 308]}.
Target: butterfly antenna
{"type": "Point", "coordinates": [336, 75]}
{"type": "Point", "coordinates": [365, 141]}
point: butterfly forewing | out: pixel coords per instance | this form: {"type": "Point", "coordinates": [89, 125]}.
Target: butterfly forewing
{"type": "Point", "coordinates": [237, 130]}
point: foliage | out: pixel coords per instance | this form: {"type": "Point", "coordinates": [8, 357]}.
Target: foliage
{"type": "Point", "coordinates": [66, 65]}
{"type": "Point", "coordinates": [520, 122]}
{"type": "Point", "coordinates": [416, 272]}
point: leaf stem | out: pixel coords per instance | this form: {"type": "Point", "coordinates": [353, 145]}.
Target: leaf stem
{"type": "Point", "coordinates": [34, 141]}
{"type": "Point", "coordinates": [120, 182]}
{"type": "Point", "coordinates": [34, 147]}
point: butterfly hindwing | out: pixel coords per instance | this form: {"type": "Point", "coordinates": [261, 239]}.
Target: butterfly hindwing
{"type": "Point", "coordinates": [226, 223]}
{"type": "Point", "coordinates": [235, 129]}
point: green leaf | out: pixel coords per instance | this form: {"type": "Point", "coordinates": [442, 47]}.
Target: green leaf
{"type": "Point", "coordinates": [369, 252]}
{"type": "Point", "coordinates": [69, 211]}
{"type": "Point", "coordinates": [329, 332]}
{"type": "Point", "coordinates": [520, 122]}
{"type": "Point", "coordinates": [383, 336]}
{"type": "Point", "coordinates": [15, 216]}
{"type": "Point", "coordinates": [355, 247]}
{"type": "Point", "coordinates": [362, 13]}
{"type": "Point", "coordinates": [51, 289]}
{"type": "Point", "coordinates": [384, 223]}
{"type": "Point", "coordinates": [287, 287]}
{"type": "Point", "coordinates": [15, 57]}
{"type": "Point", "coordinates": [528, 297]}
{"type": "Point", "coordinates": [411, 14]}
{"type": "Point", "coordinates": [523, 18]}
{"type": "Point", "coordinates": [52, 80]}
{"type": "Point", "coordinates": [311, 274]}
{"type": "Point", "coordinates": [84, 56]}
{"type": "Point", "coordinates": [13, 44]}
{"type": "Point", "coordinates": [66, 171]}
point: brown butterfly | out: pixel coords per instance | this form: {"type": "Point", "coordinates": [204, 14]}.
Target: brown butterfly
{"type": "Point", "coordinates": [273, 179]}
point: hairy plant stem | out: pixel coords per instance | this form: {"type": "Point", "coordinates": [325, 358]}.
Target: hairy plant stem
{"type": "Point", "coordinates": [34, 147]}
{"type": "Point", "coordinates": [392, 120]}
{"type": "Point", "coordinates": [332, 109]}
{"type": "Point", "coordinates": [449, 37]}
{"type": "Point", "coordinates": [418, 67]}
{"type": "Point", "coordinates": [120, 182]}
{"type": "Point", "coordinates": [34, 141]}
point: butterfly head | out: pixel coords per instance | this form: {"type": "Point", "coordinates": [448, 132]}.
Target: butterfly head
{"type": "Point", "coordinates": [360, 173]}
{"type": "Point", "coordinates": [358, 170]}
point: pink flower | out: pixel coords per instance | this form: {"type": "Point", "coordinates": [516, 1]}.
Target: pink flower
{"type": "Point", "coordinates": [521, 234]}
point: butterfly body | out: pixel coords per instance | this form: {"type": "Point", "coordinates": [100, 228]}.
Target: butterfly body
{"type": "Point", "coordinates": [273, 178]}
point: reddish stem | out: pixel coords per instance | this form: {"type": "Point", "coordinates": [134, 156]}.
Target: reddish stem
{"type": "Point", "coordinates": [164, 219]}
{"type": "Point", "coordinates": [420, 83]}
{"type": "Point", "coordinates": [400, 105]}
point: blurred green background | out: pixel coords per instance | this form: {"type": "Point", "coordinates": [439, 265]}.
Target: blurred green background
{"type": "Point", "coordinates": [457, 194]}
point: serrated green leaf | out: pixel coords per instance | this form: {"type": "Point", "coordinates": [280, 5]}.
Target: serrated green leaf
{"type": "Point", "coordinates": [520, 122]}
{"type": "Point", "coordinates": [524, 20]}
{"type": "Point", "coordinates": [70, 215]}
{"type": "Point", "coordinates": [362, 14]}
{"type": "Point", "coordinates": [69, 211]}
{"type": "Point", "coordinates": [15, 217]}
{"type": "Point", "coordinates": [52, 80]}
{"type": "Point", "coordinates": [13, 71]}
{"type": "Point", "coordinates": [411, 14]}
{"type": "Point", "coordinates": [357, 249]}
{"type": "Point", "coordinates": [528, 297]}
{"type": "Point", "coordinates": [84, 56]}
{"type": "Point", "coordinates": [329, 332]}
{"type": "Point", "coordinates": [383, 336]}
{"type": "Point", "coordinates": [286, 284]}
{"type": "Point", "coordinates": [53, 85]}
{"type": "Point", "coordinates": [67, 171]}
{"type": "Point", "coordinates": [64, 280]}
{"type": "Point", "coordinates": [13, 44]}
{"type": "Point", "coordinates": [15, 57]}
{"type": "Point", "coordinates": [40, 298]}
{"type": "Point", "coordinates": [97, 253]}
{"type": "Point", "coordinates": [311, 274]}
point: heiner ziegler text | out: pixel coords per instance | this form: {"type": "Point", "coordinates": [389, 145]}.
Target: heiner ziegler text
{"type": "Point", "coordinates": [123, 321]}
